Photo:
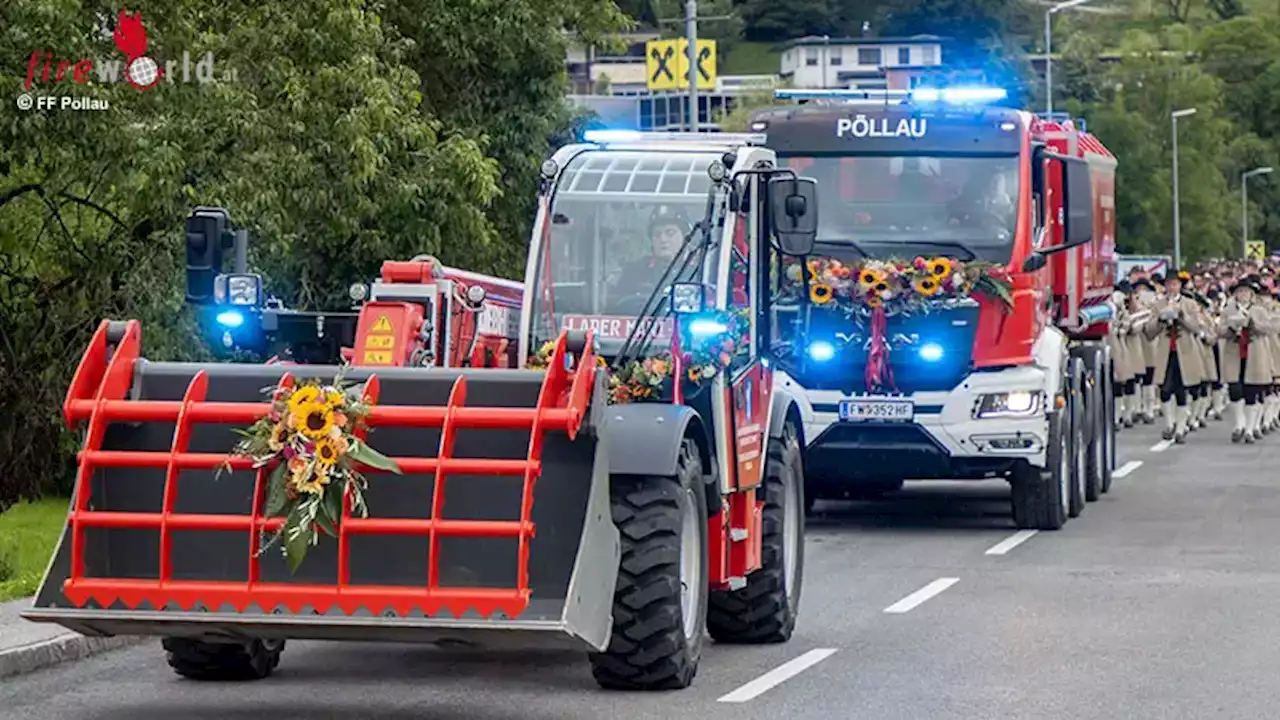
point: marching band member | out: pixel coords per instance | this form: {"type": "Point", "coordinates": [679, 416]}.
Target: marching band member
{"type": "Point", "coordinates": [1147, 301]}
{"type": "Point", "coordinates": [1208, 337]}
{"type": "Point", "coordinates": [1126, 355]}
{"type": "Point", "coordinates": [1178, 363]}
{"type": "Point", "coordinates": [1246, 359]}
{"type": "Point", "coordinates": [1218, 297]}
{"type": "Point", "coordinates": [1271, 404]}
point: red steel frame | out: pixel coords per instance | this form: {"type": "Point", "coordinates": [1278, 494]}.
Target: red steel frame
{"type": "Point", "coordinates": [97, 394]}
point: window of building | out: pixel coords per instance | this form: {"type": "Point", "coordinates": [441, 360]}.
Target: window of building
{"type": "Point", "coordinates": [811, 56]}
{"type": "Point", "coordinates": [869, 56]}
{"type": "Point", "coordinates": [928, 55]}
{"type": "Point", "coordinates": [904, 56]}
{"type": "Point", "coordinates": [836, 56]}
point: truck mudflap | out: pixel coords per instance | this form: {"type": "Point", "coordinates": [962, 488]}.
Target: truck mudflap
{"type": "Point", "coordinates": [523, 552]}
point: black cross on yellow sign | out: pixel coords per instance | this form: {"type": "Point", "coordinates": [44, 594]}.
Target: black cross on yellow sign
{"type": "Point", "coordinates": [667, 64]}
{"type": "Point", "coordinates": [1256, 250]}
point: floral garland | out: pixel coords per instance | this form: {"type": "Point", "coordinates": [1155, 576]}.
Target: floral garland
{"type": "Point", "coordinates": [894, 286]}
{"type": "Point", "coordinates": [648, 379]}
{"type": "Point", "coordinates": [308, 440]}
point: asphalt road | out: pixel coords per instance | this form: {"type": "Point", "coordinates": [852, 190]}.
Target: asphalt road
{"type": "Point", "coordinates": [1157, 603]}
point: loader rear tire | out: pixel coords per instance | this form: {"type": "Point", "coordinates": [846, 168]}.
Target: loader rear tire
{"type": "Point", "coordinates": [658, 629]}
{"type": "Point", "coordinates": [764, 610]}
{"type": "Point", "coordinates": [201, 660]}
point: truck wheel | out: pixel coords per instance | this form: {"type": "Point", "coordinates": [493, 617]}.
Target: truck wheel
{"type": "Point", "coordinates": [1079, 404]}
{"type": "Point", "coordinates": [1097, 470]}
{"type": "Point", "coordinates": [764, 610]}
{"type": "Point", "coordinates": [660, 604]}
{"type": "Point", "coordinates": [201, 660]}
{"type": "Point", "coordinates": [1040, 495]}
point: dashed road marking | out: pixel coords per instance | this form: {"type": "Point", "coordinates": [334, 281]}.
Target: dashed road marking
{"type": "Point", "coordinates": [777, 676]}
{"type": "Point", "coordinates": [1126, 468]}
{"type": "Point", "coordinates": [1161, 446]}
{"type": "Point", "coordinates": [917, 598]}
{"type": "Point", "coordinates": [1011, 542]}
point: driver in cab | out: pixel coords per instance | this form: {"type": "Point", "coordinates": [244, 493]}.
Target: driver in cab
{"type": "Point", "coordinates": [667, 229]}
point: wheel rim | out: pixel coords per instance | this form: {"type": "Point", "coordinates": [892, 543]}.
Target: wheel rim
{"type": "Point", "coordinates": [791, 511]}
{"type": "Point", "coordinates": [1064, 469]}
{"type": "Point", "coordinates": [691, 582]}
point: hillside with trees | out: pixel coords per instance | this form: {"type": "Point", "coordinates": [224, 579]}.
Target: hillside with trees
{"type": "Point", "coordinates": [352, 132]}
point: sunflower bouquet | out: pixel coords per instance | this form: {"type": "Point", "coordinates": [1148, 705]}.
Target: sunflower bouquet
{"type": "Point", "coordinates": [895, 286]}
{"type": "Point", "coordinates": [310, 443]}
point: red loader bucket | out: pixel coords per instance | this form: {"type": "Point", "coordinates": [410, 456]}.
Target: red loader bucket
{"type": "Point", "coordinates": [500, 521]}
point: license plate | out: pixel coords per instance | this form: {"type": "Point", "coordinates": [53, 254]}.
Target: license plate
{"type": "Point", "coordinates": [862, 410]}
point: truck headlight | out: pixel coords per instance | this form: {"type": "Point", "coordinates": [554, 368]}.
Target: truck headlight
{"type": "Point", "coordinates": [1019, 403]}
{"type": "Point", "coordinates": [242, 290]}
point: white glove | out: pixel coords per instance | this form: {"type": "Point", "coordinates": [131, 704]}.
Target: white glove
{"type": "Point", "coordinates": [1236, 322]}
{"type": "Point", "coordinates": [1169, 314]}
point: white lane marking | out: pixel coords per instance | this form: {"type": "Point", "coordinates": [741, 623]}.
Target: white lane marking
{"type": "Point", "coordinates": [1011, 542]}
{"type": "Point", "coordinates": [1126, 468]}
{"type": "Point", "coordinates": [1161, 446]}
{"type": "Point", "coordinates": [777, 676]}
{"type": "Point", "coordinates": [917, 598]}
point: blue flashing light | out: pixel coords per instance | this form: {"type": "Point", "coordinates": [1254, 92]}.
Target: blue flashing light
{"type": "Point", "coordinates": [821, 351]}
{"type": "Point", "coordinates": [230, 318]}
{"type": "Point", "coordinates": [615, 136]}
{"type": "Point", "coordinates": [931, 352]}
{"type": "Point", "coordinates": [703, 327]}
{"type": "Point", "coordinates": [959, 94]}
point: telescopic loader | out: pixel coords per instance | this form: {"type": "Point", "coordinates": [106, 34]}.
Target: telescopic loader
{"type": "Point", "coordinates": [626, 530]}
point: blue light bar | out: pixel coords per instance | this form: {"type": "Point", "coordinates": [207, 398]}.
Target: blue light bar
{"type": "Point", "coordinates": [829, 94]}
{"type": "Point", "coordinates": [704, 327]}
{"type": "Point", "coordinates": [959, 94]}
{"type": "Point", "coordinates": [230, 318]}
{"type": "Point", "coordinates": [606, 137]}
{"type": "Point", "coordinates": [821, 351]}
{"type": "Point", "coordinates": [931, 352]}
{"type": "Point", "coordinates": [612, 136]}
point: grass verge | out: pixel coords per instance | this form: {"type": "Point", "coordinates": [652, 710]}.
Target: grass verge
{"type": "Point", "coordinates": [28, 534]}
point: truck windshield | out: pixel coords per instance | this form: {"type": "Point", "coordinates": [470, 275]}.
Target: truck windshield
{"type": "Point", "coordinates": [615, 223]}
{"type": "Point", "coordinates": [906, 205]}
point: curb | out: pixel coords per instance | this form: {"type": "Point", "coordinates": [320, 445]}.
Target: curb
{"type": "Point", "coordinates": [55, 651]}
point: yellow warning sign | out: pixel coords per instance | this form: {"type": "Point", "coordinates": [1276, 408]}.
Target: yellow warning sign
{"type": "Point", "coordinates": [385, 342]}
{"type": "Point", "coordinates": [667, 64]}
{"type": "Point", "coordinates": [376, 357]}
{"type": "Point", "coordinates": [1255, 250]}
{"type": "Point", "coordinates": [382, 325]}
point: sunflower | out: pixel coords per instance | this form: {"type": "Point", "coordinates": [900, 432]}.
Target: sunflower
{"type": "Point", "coordinates": [820, 293]}
{"type": "Point", "coordinates": [334, 397]}
{"type": "Point", "coordinates": [882, 287]}
{"type": "Point", "coordinates": [940, 267]}
{"type": "Point", "coordinates": [874, 301]}
{"type": "Point", "coordinates": [279, 437]}
{"type": "Point", "coordinates": [927, 285]}
{"type": "Point", "coordinates": [303, 396]}
{"type": "Point", "coordinates": [313, 485]}
{"type": "Point", "coordinates": [868, 277]}
{"type": "Point", "coordinates": [313, 420]}
{"type": "Point", "coordinates": [328, 451]}
{"type": "Point", "coordinates": [695, 373]}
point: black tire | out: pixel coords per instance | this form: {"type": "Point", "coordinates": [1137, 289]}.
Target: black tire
{"type": "Point", "coordinates": [201, 660]}
{"type": "Point", "coordinates": [765, 609]}
{"type": "Point", "coordinates": [1078, 406]}
{"type": "Point", "coordinates": [649, 649]}
{"type": "Point", "coordinates": [1109, 433]}
{"type": "Point", "coordinates": [1098, 425]}
{"type": "Point", "coordinates": [1039, 502]}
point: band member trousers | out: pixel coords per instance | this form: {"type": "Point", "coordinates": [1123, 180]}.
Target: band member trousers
{"type": "Point", "coordinates": [1173, 387]}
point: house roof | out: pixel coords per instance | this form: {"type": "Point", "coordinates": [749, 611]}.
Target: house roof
{"type": "Point", "coordinates": [810, 40]}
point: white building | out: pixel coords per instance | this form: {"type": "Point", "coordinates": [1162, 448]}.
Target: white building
{"type": "Point", "coordinates": [860, 63]}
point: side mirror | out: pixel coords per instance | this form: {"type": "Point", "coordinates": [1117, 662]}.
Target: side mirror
{"type": "Point", "coordinates": [1033, 262]}
{"type": "Point", "coordinates": [688, 298]}
{"type": "Point", "coordinates": [793, 213]}
{"type": "Point", "coordinates": [1077, 201]}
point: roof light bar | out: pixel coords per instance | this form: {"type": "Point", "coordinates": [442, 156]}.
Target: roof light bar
{"type": "Point", "coordinates": [623, 137]}
{"type": "Point", "coordinates": [953, 95]}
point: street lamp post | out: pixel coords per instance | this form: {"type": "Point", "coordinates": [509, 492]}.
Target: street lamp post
{"type": "Point", "coordinates": [1244, 206]}
{"type": "Point", "coordinates": [1177, 230]}
{"type": "Point", "coordinates": [1048, 48]}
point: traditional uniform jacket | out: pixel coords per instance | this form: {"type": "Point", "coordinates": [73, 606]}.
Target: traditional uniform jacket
{"type": "Point", "coordinates": [1253, 343]}
{"type": "Point", "coordinates": [1148, 344]}
{"type": "Point", "coordinates": [1182, 334]}
{"type": "Point", "coordinates": [1273, 340]}
{"type": "Point", "coordinates": [1208, 338]}
{"type": "Point", "coordinates": [1127, 345]}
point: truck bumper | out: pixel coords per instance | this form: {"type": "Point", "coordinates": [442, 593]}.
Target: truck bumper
{"type": "Point", "coordinates": [945, 440]}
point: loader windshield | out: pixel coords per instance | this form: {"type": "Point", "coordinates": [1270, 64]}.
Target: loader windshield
{"type": "Point", "coordinates": [616, 221]}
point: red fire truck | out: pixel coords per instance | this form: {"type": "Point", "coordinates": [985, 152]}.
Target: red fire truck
{"type": "Point", "coordinates": [983, 389]}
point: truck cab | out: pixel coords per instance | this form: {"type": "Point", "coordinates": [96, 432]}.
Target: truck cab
{"type": "Point", "coordinates": [981, 383]}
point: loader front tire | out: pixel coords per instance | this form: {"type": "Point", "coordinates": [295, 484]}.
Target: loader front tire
{"type": "Point", "coordinates": [764, 610]}
{"type": "Point", "coordinates": [201, 660]}
{"type": "Point", "coordinates": [660, 604]}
